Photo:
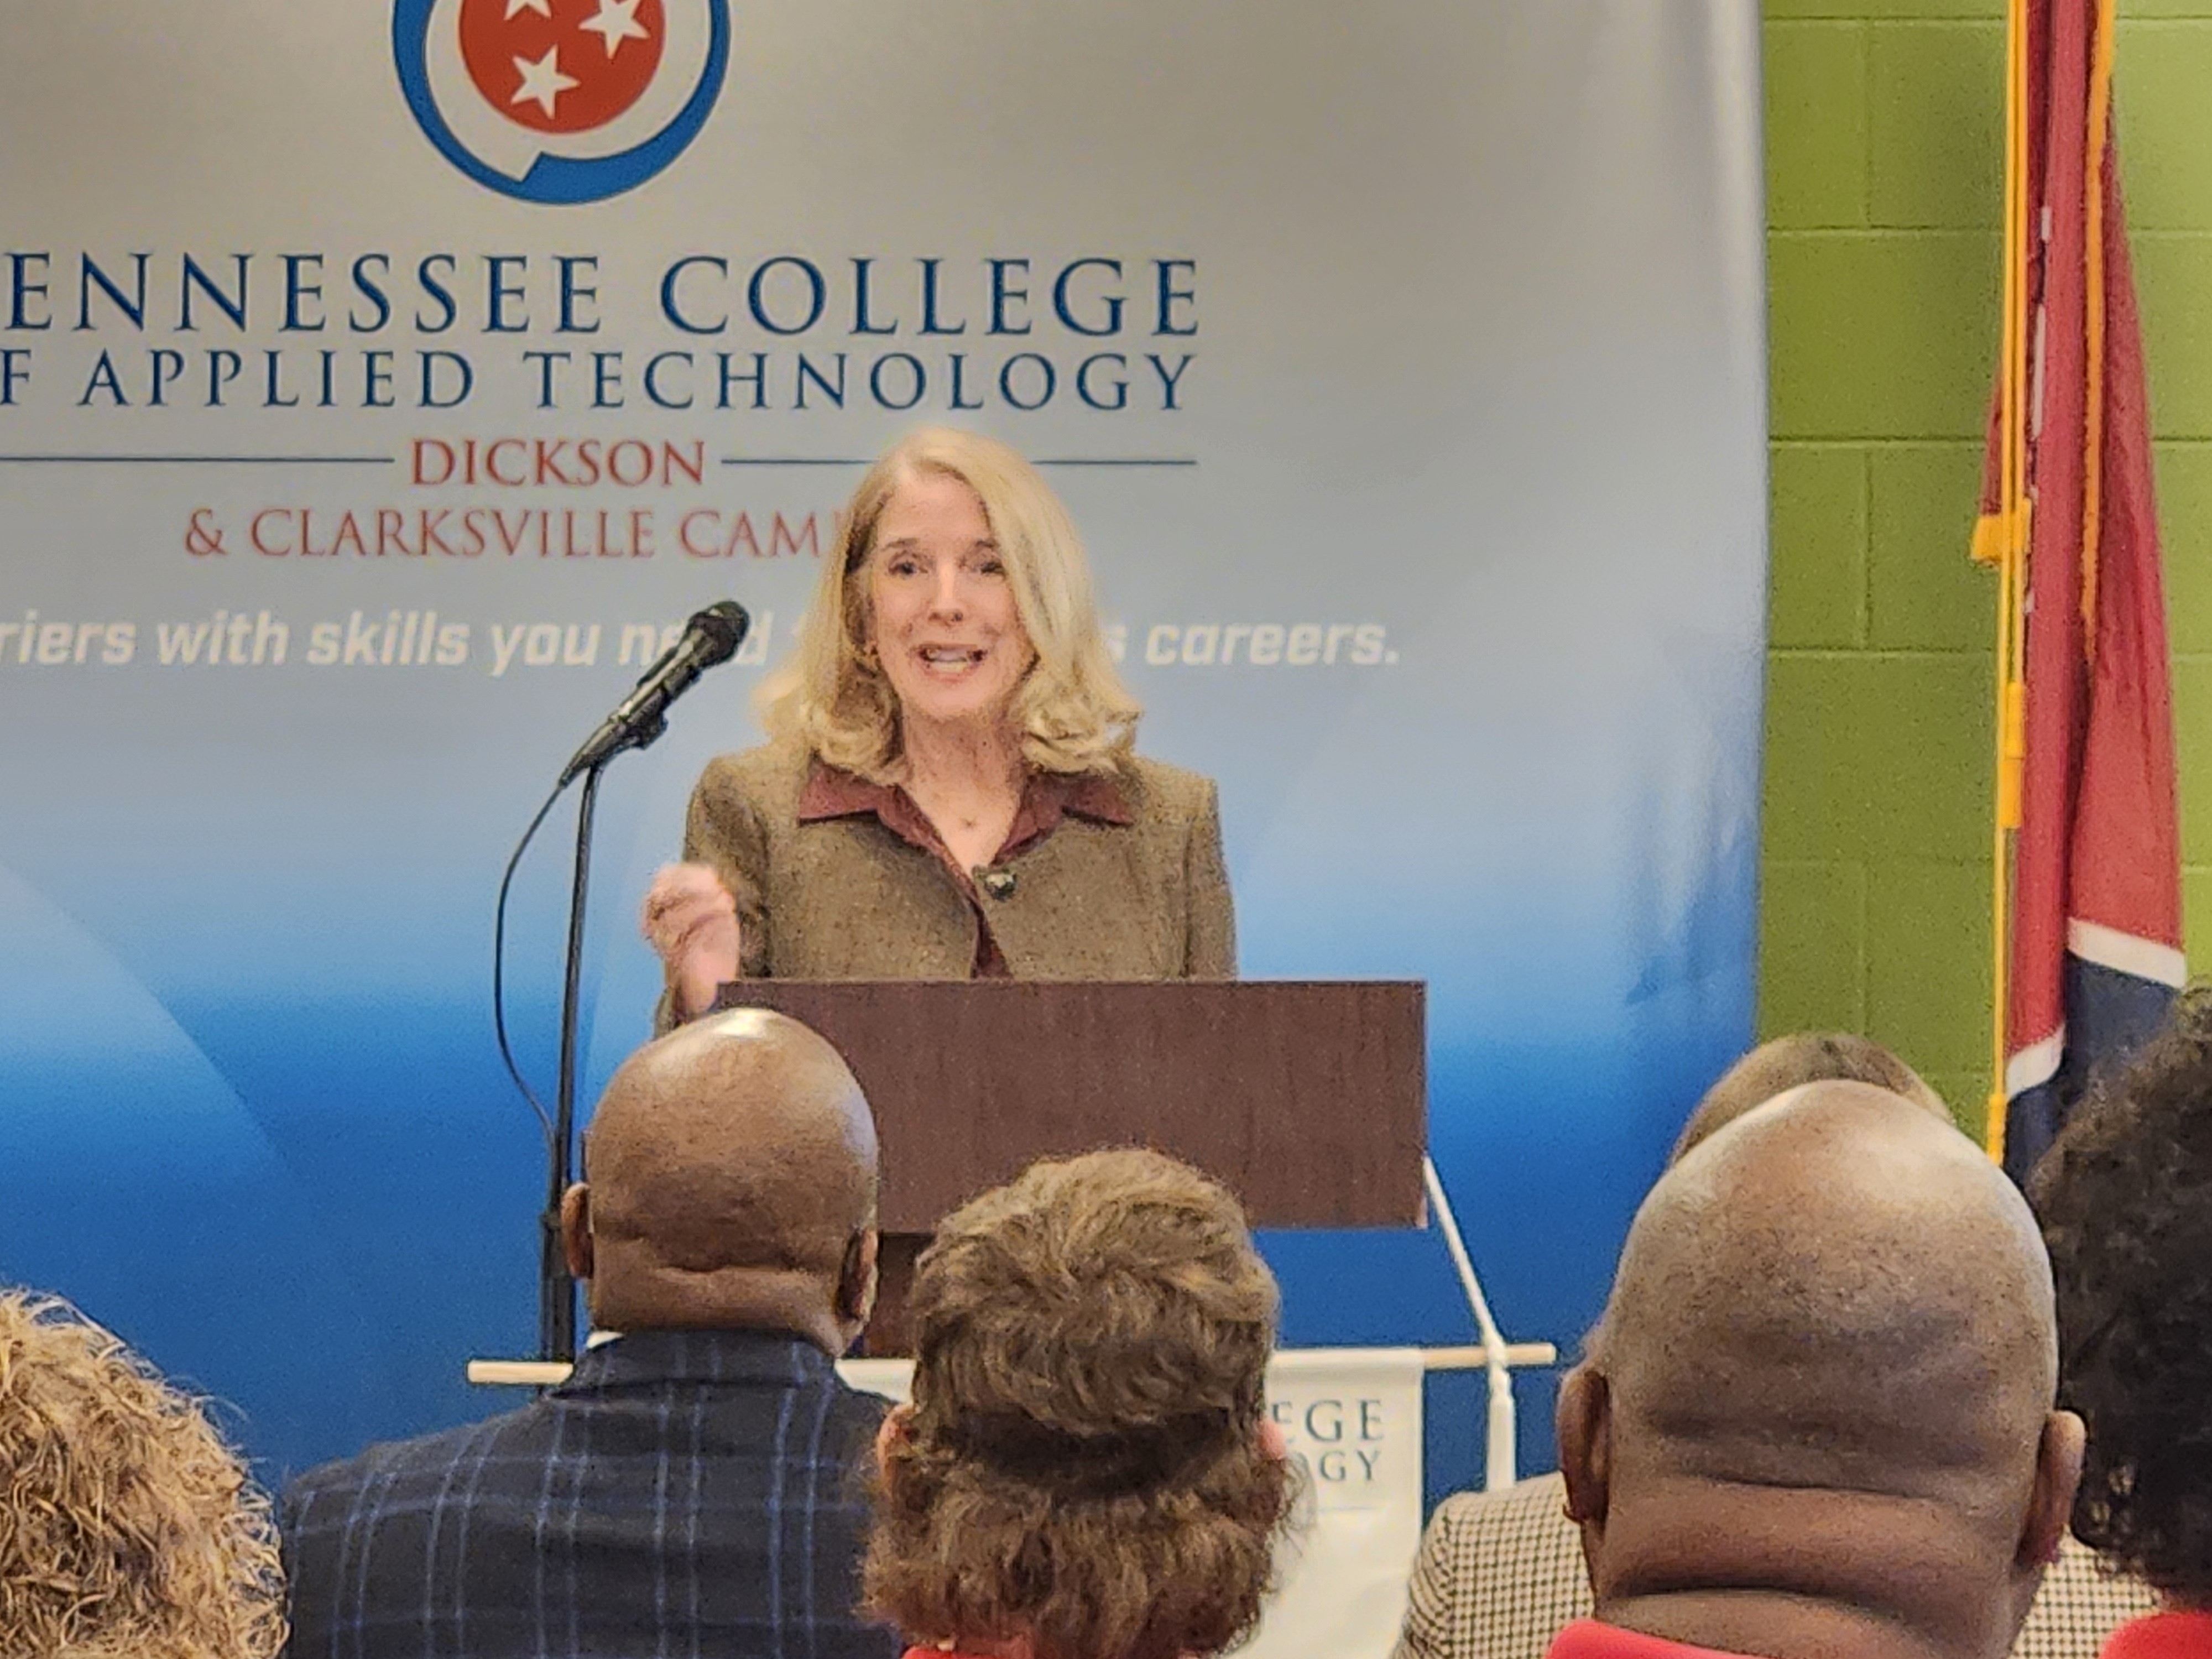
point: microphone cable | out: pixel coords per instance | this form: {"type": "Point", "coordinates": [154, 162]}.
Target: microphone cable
{"type": "Point", "coordinates": [499, 967]}
{"type": "Point", "coordinates": [711, 637]}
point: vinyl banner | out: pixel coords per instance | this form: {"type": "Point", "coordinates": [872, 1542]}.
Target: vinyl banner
{"type": "Point", "coordinates": [382, 382]}
{"type": "Point", "coordinates": [1351, 1419]}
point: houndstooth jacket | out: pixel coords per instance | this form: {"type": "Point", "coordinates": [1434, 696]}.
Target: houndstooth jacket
{"type": "Point", "coordinates": [1500, 1574]}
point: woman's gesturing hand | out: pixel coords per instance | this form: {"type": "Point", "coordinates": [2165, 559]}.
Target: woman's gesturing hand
{"type": "Point", "coordinates": [691, 922]}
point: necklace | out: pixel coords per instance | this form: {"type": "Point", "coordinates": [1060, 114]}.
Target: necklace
{"type": "Point", "coordinates": [966, 817]}
{"type": "Point", "coordinates": [968, 814]}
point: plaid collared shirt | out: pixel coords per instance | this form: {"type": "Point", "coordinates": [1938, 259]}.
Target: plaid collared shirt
{"type": "Point", "coordinates": [685, 1494]}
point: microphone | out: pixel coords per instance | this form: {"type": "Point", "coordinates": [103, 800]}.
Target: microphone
{"type": "Point", "coordinates": [996, 880]}
{"type": "Point", "coordinates": [713, 635]}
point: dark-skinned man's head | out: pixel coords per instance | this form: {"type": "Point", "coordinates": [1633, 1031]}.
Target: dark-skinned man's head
{"type": "Point", "coordinates": [1818, 1417]}
{"type": "Point", "coordinates": [1784, 1063]}
{"type": "Point", "coordinates": [732, 1185]}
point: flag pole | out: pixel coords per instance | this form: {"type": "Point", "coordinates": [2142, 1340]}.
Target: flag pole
{"type": "Point", "coordinates": [2004, 542]}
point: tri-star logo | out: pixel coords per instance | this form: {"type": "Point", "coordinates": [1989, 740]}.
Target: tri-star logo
{"type": "Point", "coordinates": [561, 101]}
{"type": "Point", "coordinates": [537, 62]}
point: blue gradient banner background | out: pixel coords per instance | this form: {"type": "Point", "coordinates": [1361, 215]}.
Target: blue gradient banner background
{"type": "Point", "coordinates": [1474, 365]}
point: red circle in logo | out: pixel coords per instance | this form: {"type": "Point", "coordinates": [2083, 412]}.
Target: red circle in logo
{"type": "Point", "coordinates": [562, 65]}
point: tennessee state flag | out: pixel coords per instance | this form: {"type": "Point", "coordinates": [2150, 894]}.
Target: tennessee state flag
{"type": "Point", "coordinates": [2087, 717]}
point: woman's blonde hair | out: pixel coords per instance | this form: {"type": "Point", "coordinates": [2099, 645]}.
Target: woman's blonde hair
{"type": "Point", "coordinates": [1071, 709]}
{"type": "Point", "coordinates": [127, 1527]}
{"type": "Point", "coordinates": [1082, 1467]}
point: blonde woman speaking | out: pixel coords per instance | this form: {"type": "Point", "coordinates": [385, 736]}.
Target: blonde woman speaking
{"type": "Point", "coordinates": [951, 789]}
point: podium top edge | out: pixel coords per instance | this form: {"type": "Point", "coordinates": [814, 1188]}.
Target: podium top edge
{"type": "Point", "coordinates": [1515, 1356]}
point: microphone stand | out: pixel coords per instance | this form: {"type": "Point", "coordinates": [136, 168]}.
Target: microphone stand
{"type": "Point", "coordinates": [556, 1290]}
{"type": "Point", "coordinates": [712, 636]}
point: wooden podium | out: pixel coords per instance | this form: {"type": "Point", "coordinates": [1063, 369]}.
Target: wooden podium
{"type": "Point", "coordinates": [1307, 1099]}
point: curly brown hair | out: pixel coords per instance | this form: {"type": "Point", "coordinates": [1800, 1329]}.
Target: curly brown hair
{"type": "Point", "coordinates": [1082, 1465]}
{"type": "Point", "coordinates": [127, 1527]}
{"type": "Point", "coordinates": [2125, 1198]}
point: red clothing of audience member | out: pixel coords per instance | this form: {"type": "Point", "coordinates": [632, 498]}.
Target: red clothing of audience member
{"type": "Point", "coordinates": [2163, 1636]}
{"type": "Point", "coordinates": [1586, 1638]}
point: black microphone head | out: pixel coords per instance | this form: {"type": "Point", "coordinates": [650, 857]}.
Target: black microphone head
{"type": "Point", "coordinates": [721, 628]}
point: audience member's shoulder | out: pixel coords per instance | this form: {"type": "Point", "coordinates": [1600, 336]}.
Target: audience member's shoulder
{"type": "Point", "coordinates": [859, 1404]}
{"type": "Point", "coordinates": [2081, 1602]}
{"type": "Point", "coordinates": [855, 1418]}
{"type": "Point", "coordinates": [394, 1460]}
{"type": "Point", "coordinates": [1500, 1574]}
{"type": "Point", "coordinates": [1537, 1504]}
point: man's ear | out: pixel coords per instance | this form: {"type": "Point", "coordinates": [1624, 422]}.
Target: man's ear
{"type": "Point", "coordinates": [856, 1278]}
{"type": "Point", "coordinates": [2050, 1502]}
{"type": "Point", "coordinates": [1584, 1423]}
{"type": "Point", "coordinates": [576, 1230]}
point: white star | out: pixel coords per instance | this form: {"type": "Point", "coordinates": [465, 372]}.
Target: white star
{"type": "Point", "coordinates": [543, 7]}
{"type": "Point", "coordinates": [616, 22]}
{"type": "Point", "coordinates": [542, 81]}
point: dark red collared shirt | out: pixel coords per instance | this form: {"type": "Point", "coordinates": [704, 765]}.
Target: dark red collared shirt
{"type": "Point", "coordinates": [1586, 1638]}
{"type": "Point", "coordinates": [1047, 798]}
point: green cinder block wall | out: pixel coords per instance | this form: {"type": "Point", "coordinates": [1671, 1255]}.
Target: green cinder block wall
{"type": "Point", "coordinates": [1885, 126]}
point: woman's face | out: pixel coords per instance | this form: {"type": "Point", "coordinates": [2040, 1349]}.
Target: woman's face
{"type": "Point", "coordinates": [941, 613]}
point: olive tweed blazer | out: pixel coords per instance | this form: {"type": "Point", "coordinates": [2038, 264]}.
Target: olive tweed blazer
{"type": "Point", "coordinates": [848, 898]}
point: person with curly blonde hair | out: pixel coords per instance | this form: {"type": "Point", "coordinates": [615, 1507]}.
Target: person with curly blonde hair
{"type": "Point", "coordinates": [128, 1529]}
{"type": "Point", "coordinates": [951, 790]}
{"type": "Point", "coordinates": [1086, 1469]}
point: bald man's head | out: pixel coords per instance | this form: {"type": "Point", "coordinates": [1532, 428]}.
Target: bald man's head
{"type": "Point", "coordinates": [1788, 1062]}
{"type": "Point", "coordinates": [1823, 1390]}
{"type": "Point", "coordinates": [731, 1184]}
